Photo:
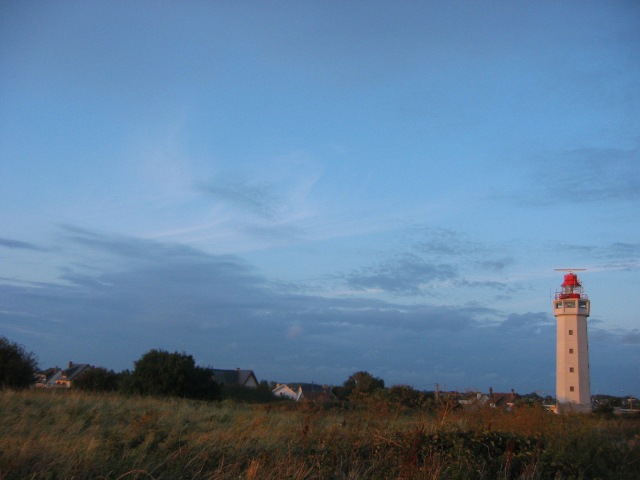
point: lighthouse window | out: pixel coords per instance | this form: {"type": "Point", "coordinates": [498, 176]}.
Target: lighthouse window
{"type": "Point", "coordinates": [571, 350]}
{"type": "Point", "coordinates": [571, 369]}
{"type": "Point", "coordinates": [582, 304]}
{"type": "Point", "coordinates": [559, 305]}
{"type": "Point", "coordinates": [569, 304]}
{"type": "Point", "coordinates": [571, 389]}
{"type": "Point", "coordinates": [570, 332]}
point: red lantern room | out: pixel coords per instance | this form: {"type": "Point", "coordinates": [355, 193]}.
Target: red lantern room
{"type": "Point", "coordinates": [571, 287]}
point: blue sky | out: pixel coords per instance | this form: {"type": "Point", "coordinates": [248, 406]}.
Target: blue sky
{"type": "Point", "coordinates": [309, 189]}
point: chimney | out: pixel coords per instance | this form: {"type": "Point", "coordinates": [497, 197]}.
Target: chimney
{"type": "Point", "coordinates": [70, 364]}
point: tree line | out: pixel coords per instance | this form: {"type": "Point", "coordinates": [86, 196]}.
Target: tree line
{"type": "Point", "coordinates": [157, 372]}
{"type": "Point", "coordinates": [163, 373]}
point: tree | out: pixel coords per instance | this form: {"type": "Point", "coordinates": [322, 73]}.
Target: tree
{"type": "Point", "coordinates": [159, 372]}
{"type": "Point", "coordinates": [261, 394]}
{"type": "Point", "coordinates": [17, 366]}
{"type": "Point", "coordinates": [359, 386]}
{"type": "Point", "coordinates": [410, 397]}
{"type": "Point", "coordinates": [97, 379]}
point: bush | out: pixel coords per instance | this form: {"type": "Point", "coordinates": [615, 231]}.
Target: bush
{"type": "Point", "coordinates": [260, 394]}
{"type": "Point", "coordinates": [411, 398]}
{"type": "Point", "coordinates": [97, 379]}
{"type": "Point", "coordinates": [17, 366]}
{"type": "Point", "coordinates": [359, 386]}
{"type": "Point", "coordinates": [159, 372]}
{"type": "Point", "coordinates": [86, 436]}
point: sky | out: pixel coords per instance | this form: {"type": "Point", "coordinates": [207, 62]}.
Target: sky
{"type": "Point", "coordinates": [310, 189]}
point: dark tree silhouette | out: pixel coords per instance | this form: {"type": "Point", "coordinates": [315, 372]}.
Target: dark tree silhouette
{"type": "Point", "coordinates": [97, 379]}
{"type": "Point", "coordinates": [159, 372]}
{"type": "Point", "coordinates": [17, 366]}
{"type": "Point", "coordinates": [410, 397]}
{"type": "Point", "coordinates": [359, 386]}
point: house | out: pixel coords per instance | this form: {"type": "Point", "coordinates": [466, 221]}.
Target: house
{"type": "Point", "coordinates": [474, 400]}
{"type": "Point", "coordinates": [64, 378]}
{"type": "Point", "coordinates": [309, 392]}
{"type": "Point", "coordinates": [237, 377]}
{"type": "Point", "coordinates": [505, 401]}
{"type": "Point", "coordinates": [283, 390]}
{"type": "Point", "coordinates": [43, 377]}
{"type": "Point", "coordinates": [312, 392]}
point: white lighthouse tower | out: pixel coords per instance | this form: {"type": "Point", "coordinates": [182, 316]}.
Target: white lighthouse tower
{"type": "Point", "coordinates": [571, 309]}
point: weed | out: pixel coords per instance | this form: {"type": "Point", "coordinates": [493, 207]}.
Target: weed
{"type": "Point", "coordinates": [55, 435]}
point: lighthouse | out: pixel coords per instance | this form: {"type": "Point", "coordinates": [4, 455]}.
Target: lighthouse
{"type": "Point", "coordinates": [571, 309]}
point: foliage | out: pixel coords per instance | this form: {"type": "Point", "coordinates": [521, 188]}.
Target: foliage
{"type": "Point", "coordinates": [97, 379]}
{"type": "Point", "coordinates": [359, 386]}
{"type": "Point", "coordinates": [534, 398]}
{"type": "Point", "coordinates": [80, 435]}
{"type": "Point", "coordinates": [626, 401]}
{"type": "Point", "coordinates": [604, 407]}
{"type": "Point", "coordinates": [17, 366]}
{"type": "Point", "coordinates": [159, 372]}
{"type": "Point", "coordinates": [411, 398]}
{"type": "Point", "coordinates": [261, 394]}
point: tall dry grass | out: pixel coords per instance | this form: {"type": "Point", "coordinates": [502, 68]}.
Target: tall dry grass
{"type": "Point", "coordinates": [65, 435]}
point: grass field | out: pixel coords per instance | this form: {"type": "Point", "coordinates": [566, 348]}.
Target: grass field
{"type": "Point", "coordinates": [74, 435]}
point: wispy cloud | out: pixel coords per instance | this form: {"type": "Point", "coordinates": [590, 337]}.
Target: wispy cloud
{"type": "Point", "coordinates": [257, 198]}
{"type": "Point", "coordinates": [632, 337]}
{"type": "Point", "coordinates": [129, 248]}
{"type": "Point", "coordinates": [269, 206]}
{"type": "Point", "coordinates": [18, 244]}
{"type": "Point", "coordinates": [225, 313]}
{"type": "Point", "coordinates": [584, 176]}
{"type": "Point", "coordinates": [407, 274]}
{"type": "Point", "coordinates": [614, 256]}
{"type": "Point", "coordinates": [619, 250]}
{"type": "Point", "coordinates": [496, 264]}
{"type": "Point", "coordinates": [439, 257]}
{"type": "Point", "coordinates": [440, 241]}
{"type": "Point", "coordinates": [599, 174]}
{"type": "Point", "coordinates": [530, 321]}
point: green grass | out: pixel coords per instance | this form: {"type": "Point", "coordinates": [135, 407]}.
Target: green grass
{"type": "Point", "coordinates": [73, 435]}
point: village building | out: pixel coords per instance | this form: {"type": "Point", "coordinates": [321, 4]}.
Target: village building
{"type": "Point", "coordinates": [309, 392]}
{"type": "Point", "coordinates": [237, 377]}
{"type": "Point", "coordinates": [61, 378]}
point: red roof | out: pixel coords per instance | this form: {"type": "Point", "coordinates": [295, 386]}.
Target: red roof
{"type": "Point", "coordinates": [571, 280]}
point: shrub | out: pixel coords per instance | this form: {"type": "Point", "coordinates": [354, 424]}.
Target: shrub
{"type": "Point", "coordinates": [97, 379]}
{"type": "Point", "coordinates": [359, 386]}
{"type": "Point", "coordinates": [411, 398]}
{"type": "Point", "coordinates": [260, 394]}
{"type": "Point", "coordinates": [159, 372]}
{"type": "Point", "coordinates": [17, 366]}
{"type": "Point", "coordinates": [84, 436]}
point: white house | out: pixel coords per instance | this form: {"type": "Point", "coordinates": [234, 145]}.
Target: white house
{"type": "Point", "coordinates": [283, 390]}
